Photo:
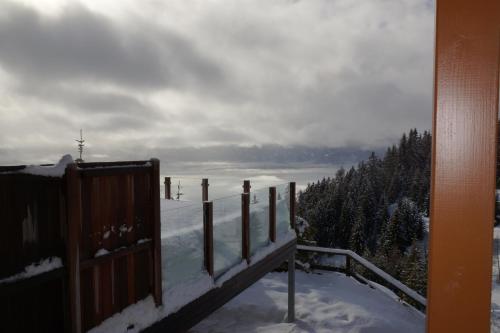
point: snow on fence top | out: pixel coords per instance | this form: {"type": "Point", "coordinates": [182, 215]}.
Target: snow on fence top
{"type": "Point", "coordinates": [56, 170]}
{"type": "Point", "coordinates": [43, 266]}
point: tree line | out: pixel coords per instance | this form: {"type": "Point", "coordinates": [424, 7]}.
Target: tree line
{"type": "Point", "coordinates": [377, 209]}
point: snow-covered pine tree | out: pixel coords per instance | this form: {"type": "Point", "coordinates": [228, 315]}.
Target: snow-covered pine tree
{"type": "Point", "coordinates": [357, 242]}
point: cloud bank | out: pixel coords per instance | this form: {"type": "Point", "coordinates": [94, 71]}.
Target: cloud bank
{"type": "Point", "coordinates": [141, 76]}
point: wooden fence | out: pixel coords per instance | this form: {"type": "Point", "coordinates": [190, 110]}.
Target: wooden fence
{"type": "Point", "coordinates": [102, 220]}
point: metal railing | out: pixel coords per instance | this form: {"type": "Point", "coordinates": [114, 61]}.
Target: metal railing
{"type": "Point", "coordinates": [350, 255]}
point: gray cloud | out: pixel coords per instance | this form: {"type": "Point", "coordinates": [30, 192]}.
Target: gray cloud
{"type": "Point", "coordinates": [146, 75]}
{"type": "Point", "coordinates": [83, 45]}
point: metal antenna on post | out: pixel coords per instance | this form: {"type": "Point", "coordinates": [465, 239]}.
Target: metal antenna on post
{"type": "Point", "coordinates": [80, 147]}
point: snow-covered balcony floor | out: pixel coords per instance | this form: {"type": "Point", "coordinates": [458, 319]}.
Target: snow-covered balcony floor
{"type": "Point", "coordinates": [326, 302]}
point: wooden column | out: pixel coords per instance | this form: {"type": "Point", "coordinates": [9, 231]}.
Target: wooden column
{"type": "Point", "coordinates": [245, 226]}
{"type": "Point", "coordinates": [208, 236]}
{"type": "Point", "coordinates": [292, 205]}
{"type": "Point", "coordinates": [155, 189]}
{"type": "Point", "coordinates": [272, 214]}
{"type": "Point", "coordinates": [74, 214]}
{"type": "Point", "coordinates": [168, 193]}
{"type": "Point", "coordinates": [463, 165]}
{"type": "Point", "coordinates": [204, 189]}
{"type": "Point", "coordinates": [246, 186]}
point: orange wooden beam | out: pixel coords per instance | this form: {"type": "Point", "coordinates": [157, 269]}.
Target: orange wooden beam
{"type": "Point", "coordinates": [463, 165]}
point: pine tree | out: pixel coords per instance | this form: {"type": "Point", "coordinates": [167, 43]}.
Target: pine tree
{"type": "Point", "coordinates": [351, 210]}
{"type": "Point", "coordinates": [357, 240]}
{"type": "Point", "coordinates": [414, 273]}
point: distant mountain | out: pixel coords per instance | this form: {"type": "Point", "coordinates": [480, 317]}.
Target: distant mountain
{"type": "Point", "coordinates": [268, 153]}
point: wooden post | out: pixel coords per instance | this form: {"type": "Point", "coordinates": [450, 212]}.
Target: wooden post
{"type": "Point", "coordinates": [272, 214]}
{"type": "Point", "coordinates": [168, 193]}
{"type": "Point", "coordinates": [155, 189]}
{"type": "Point", "coordinates": [291, 288]}
{"type": "Point", "coordinates": [463, 165]}
{"type": "Point", "coordinates": [74, 214]}
{"type": "Point", "coordinates": [208, 236]}
{"type": "Point", "coordinates": [246, 186]}
{"type": "Point", "coordinates": [245, 226]}
{"type": "Point", "coordinates": [347, 265]}
{"type": "Point", "coordinates": [204, 189]}
{"type": "Point", "coordinates": [292, 205]}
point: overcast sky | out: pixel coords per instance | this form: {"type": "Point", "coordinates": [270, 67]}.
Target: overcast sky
{"type": "Point", "coordinates": [142, 75]}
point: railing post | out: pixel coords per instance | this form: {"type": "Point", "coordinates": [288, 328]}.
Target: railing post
{"type": "Point", "coordinates": [208, 236]}
{"type": "Point", "coordinates": [292, 204]}
{"type": "Point", "coordinates": [168, 193]}
{"type": "Point", "coordinates": [245, 226]}
{"type": "Point", "coordinates": [246, 186]}
{"type": "Point", "coordinates": [155, 189]}
{"type": "Point", "coordinates": [204, 189]}
{"type": "Point", "coordinates": [272, 214]}
{"type": "Point", "coordinates": [348, 265]}
{"type": "Point", "coordinates": [74, 214]}
{"type": "Point", "coordinates": [291, 288]}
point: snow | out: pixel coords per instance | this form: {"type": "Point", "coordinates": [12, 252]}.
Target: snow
{"type": "Point", "coordinates": [334, 261]}
{"type": "Point", "coordinates": [301, 225]}
{"type": "Point", "coordinates": [495, 290]}
{"type": "Point", "coordinates": [56, 170]}
{"type": "Point", "coordinates": [187, 286]}
{"type": "Point", "coordinates": [100, 253]}
{"type": "Point", "coordinates": [43, 266]}
{"type": "Point", "coordinates": [426, 223]}
{"type": "Point", "coordinates": [326, 302]}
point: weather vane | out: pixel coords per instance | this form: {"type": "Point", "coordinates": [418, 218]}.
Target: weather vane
{"type": "Point", "coordinates": [80, 148]}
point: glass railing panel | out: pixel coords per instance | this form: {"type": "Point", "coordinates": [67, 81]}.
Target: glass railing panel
{"type": "Point", "coordinates": [259, 219]}
{"type": "Point", "coordinates": [181, 244]}
{"type": "Point", "coordinates": [282, 210]}
{"type": "Point", "coordinates": [227, 233]}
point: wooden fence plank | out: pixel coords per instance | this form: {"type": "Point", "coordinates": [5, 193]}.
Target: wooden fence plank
{"type": "Point", "coordinates": [168, 191]}
{"type": "Point", "coordinates": [246, 186]}
{"type": "Point", "coordinates": [245, 226]}
{"type": "Point", "coordinates": [204, 189]}
{"type": "Point", "coordinates": [272, 214]}
{"type": "Point", "coordinates": [73, 250]}
{"type": "Point", "coordinates": [292, 205]}
{"type": "Point", "coordinates": [208, 237]}
{"type": "Point", "coordinates": [155, 197]}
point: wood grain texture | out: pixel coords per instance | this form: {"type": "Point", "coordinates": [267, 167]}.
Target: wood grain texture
{"type": "Point", "coordinates": [94, 206]}
{"type": "Point", "coordinates": [292, 205]}
{"type": "Point", "coordinates": [74, 208]}
{"type": "Point", "coordinates": [245, 226]}
{"type": "Point", "coordinates": [204, 189]}
{"type": "Point", "coordinates": [156, 229]}
{"type": "Point", "coordinates": [463, 165]}
{"type": "Point", "coordinates": [208, 236]}
{"type": "Point", "coordinates": [272, 214]}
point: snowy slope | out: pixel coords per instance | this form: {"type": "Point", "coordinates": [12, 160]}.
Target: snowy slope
{"type": "Point", "coordinates": [330, 302]}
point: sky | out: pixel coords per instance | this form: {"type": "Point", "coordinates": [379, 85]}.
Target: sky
{"type": "Point", "coordinates": [138, 76]}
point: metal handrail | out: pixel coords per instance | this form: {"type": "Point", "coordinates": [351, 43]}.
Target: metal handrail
{"type": "Point", "coordinates": [371, 267]}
